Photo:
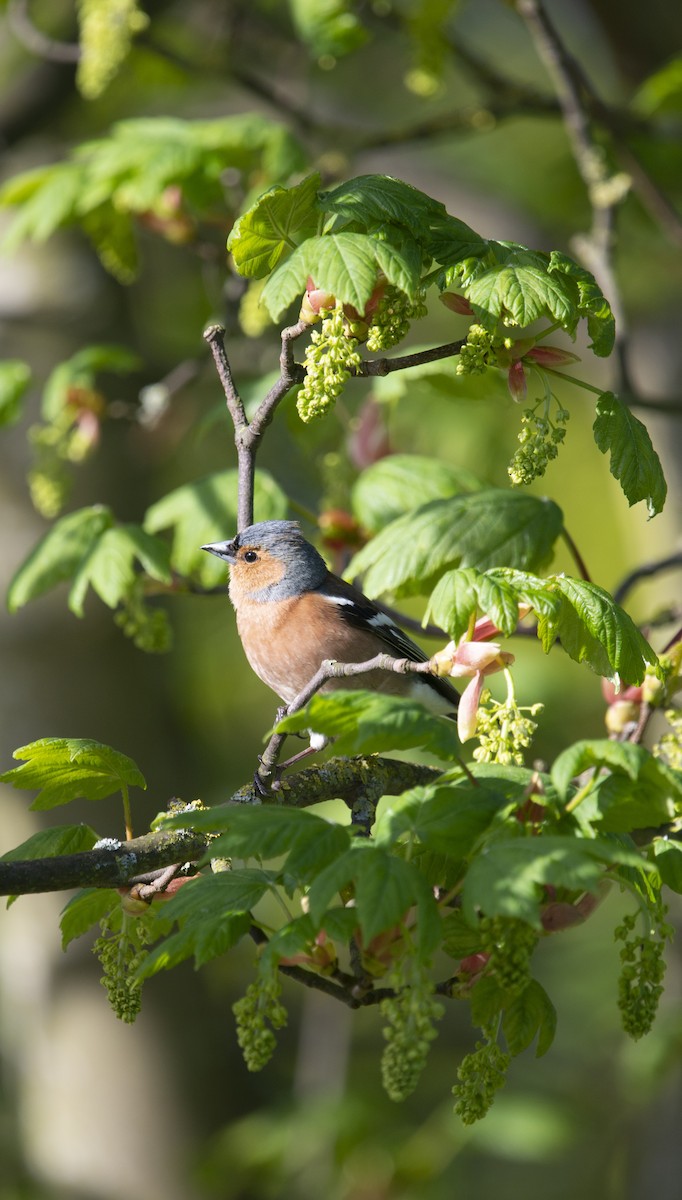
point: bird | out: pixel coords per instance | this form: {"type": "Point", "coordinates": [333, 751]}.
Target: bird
{"type": "Point", "coordinates": [293, 613]}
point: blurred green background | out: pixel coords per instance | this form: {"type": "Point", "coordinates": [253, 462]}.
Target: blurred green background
{"type": "Point", "coordinates": [95, 1110]}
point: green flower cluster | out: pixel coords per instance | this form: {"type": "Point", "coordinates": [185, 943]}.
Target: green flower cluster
{"type": "Point", "coordinates": [120, 949]}
{"type": "Point", "coordinates": [149, 628]}
{"type": "Point", "coordinates": [480, 1076]}
{"type": "Point", "coordinates": [391, 320]}
{"type": "Point", "coordinates": [106, 29]}
{"type": "Point", "coordinates": [539, 439]}
{"type": "Point", "coordinates": [669, 746]}
{"type": "Point", "coordinates": [510, 944]}
{"type": "Point", "coordinates": [640, 985]}
{"type": "Point", "coordinates": [478, 353]}
{"type": "Point", "coordinates": [503, 731]}
{"type": "Point", "coordinates": [330, 358]}
{"type": "Point", "coordinates": [410, 1014]}
{"type": "Point", "coordinates": [55, 445]}
{"type": "Point", "coordinates": [257, 1014]}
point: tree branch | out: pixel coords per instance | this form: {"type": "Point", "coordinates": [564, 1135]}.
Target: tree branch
{"type": "Point", "coordinates": [385, 366]}
{"type": "Point", "coordinates": [116, 864]}
{"type": "Point", "coordinates": [34, 40]}
{"type": "Point", "coordinates": [248, 435]}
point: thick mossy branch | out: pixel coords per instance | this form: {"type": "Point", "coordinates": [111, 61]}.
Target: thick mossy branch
{"type": "Point", "coordinates": [115, 864]}
{"type": "Point", "coordinates": [111, 864]}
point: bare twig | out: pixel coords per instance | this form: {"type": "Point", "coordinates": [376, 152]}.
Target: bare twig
{"type": "Point", "coordinates": [32, 39]}
{"type": "Point", "coordinates": [385, 366]}
{"type": "Point", "coordinates": [248, 435]}
{"type": "Point", "coordinates": [645, 571]}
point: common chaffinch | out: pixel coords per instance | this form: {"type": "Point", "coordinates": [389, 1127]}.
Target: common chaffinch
{"type": "Point", "coordinates": [293, 613]}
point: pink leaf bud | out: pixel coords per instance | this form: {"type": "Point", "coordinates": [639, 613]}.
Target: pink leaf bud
{"type": "Point", "coordinates": [516, 382]}
{"type": "Point", "coordinates": [456, 303]}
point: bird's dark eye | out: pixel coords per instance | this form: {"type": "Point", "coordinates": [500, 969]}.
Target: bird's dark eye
{"type": "Point", "coordinates": [250, 556]}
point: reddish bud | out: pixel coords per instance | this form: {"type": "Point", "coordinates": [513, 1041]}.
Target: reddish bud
{"type": "Point", "coordinates": [473, 964]}
{"type": "Point", "coordinates": [318, 298]}
{"type": "Point", "coordinates": [611, 693]}
{"type": "Point", "coordinates": [516, 382]}
{"type": "Point", "coordinates": [551, 356]}
{"type": "Point", "coordinates": [456, 303]}
{"type": "Point", "coordinates": [368, 441]}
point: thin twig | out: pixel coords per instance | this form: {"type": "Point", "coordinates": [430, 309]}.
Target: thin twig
{"type": "Point", "coordinates": [645, 572]}
{"type": "Point", "coordinates": [248, 435]}
{"type": "Point", "coordinates": [34, 40]}
{"type": "Point", "coordinates": [385, 366]}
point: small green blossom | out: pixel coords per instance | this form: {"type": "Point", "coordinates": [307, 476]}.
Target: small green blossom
{"type": "Point", "coordinates": [330, 359]}
{"type": "Point", "coordinates": [391, 320]}
{"type": "Point", "coordinates": [539, 439]}
{"type": "Point", "coordinates": [147, 626]}
{"type": "Point", "coordinates": [510, 944]}
{"type": "Point", "coordinates": [479, 352]}
{"type": "Point", "coordinates": [410, 1015]}
{"type": "Point", "coordinates": [120, 949]}
{"type": "Point", "coordinates": [640, 985]}
{"type": "Point", "coordinates": [480, 1076]}
{"type": "Point", "coordinates": [502, 729]}
{"type": "Point", "coordinates": [257, 1014]}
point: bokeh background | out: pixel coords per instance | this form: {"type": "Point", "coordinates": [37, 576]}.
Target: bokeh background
{"type": "Point", "coordinates": [96, 1110]}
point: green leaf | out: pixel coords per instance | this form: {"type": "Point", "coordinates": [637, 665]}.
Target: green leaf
{"type": "Point", "coordinates": [386, 887]}
{"type": "Point", "coordinates": [449, 819]}
{"type": "Point", "coordinates": [400, 482]}
{"type": "Point", "coordinates": [51, 843]}
{"type": "Point", "coordinates": [109, 566]}
{"type": "Point", "coordinates": [384, 891]}
{"type": "Point", "coordinates": [271, 831]}
{"type": "Point", "coordinates": [66, 769]}
{"type": "Point", "coordinates": [376, 199]}
{"type": "Point", "coordinates": [527, 1015]}
{"type": "Point", "coordinates": [368, 722]}
{"type": "Point", "coordinates": [633, 460]}
{"type": "Point", "coordinates": [206, 511]}
{"type": "Point", "coordinates": [461, 594]}
{"type": "Point", "coordinates": [489, 528]}
{"type": "Point", "coordinates": [507, 880]}
{"type": "Point", "coordinates": [639, 791]}
{"type": "Point", "coordinates": [15, 377]}
{"type": "Point", "coordinates": [58, 554]}
{"type": "Point", "coordinates": [85, 909]}
{"type": "Point", "coordinates": [273, 226]}
{"type": "Point", "coordinates": [344, 264]}
{"type": "Point", "coordinates": [592, 303]}
{"type": "Point", "coordinates": [661, 92]}
{"type": "Point", "coordinates": [329, 28]}
{"type": "Point", "coordinates": [521, 289]}
{"type": "Point", "coordinates": [487, 1001]}
{"type": "Point", "coordinates": [205, 938]}
{"type": "Point", "coordinates": [80, 372]}
{"type": "Point", "coordinates": [668, 862]}
{"type": "Point", "coordinates": [47, 198]}
{"type": "Point", "coordinates": [459, 939]}
{"type": "Point", "coordinates": [596, 630]}
{"type": "Point", "coordinates": [226, 892]}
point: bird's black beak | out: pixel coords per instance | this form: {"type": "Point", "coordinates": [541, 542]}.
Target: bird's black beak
{"type": "Point", "coordinates": [224, 550]}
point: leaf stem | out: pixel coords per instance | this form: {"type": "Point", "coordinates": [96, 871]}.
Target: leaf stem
{"type": "Point", "coordinates": [584, 791]}
{"type": "Point", "coordinates": [576, 555]}
{"type": "Point", "coordinates": [127, 813]}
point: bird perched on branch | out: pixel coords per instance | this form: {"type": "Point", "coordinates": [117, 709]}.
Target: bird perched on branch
{"type": "Point", "coordinates": [292, 614]}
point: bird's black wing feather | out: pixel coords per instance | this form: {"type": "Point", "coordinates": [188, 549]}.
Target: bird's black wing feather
{"type": "Point", "coordinates": [361, 613]}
